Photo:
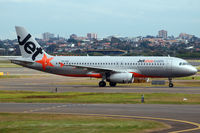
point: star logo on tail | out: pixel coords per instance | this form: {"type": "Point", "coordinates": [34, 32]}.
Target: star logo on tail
{"type": "Point", "coordinates": [45, 62]}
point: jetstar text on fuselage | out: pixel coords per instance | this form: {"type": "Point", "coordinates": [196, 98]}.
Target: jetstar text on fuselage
{"type": "Point", "coordinates": [150, 61]}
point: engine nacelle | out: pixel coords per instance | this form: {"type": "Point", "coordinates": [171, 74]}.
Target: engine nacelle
{"type": "Point", "coordinates": [141, 80]}
{"type": "Point", "coordinates": [121, 78]}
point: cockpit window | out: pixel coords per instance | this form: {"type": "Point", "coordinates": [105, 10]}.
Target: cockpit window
{"type": "Point", "coordinates": [183, 63]}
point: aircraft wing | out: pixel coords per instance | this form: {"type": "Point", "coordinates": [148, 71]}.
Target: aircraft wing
{"type": "Point", "coordinates": [97, 69]}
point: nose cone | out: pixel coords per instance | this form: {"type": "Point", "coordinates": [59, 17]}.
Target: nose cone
{"type": "Point", "coordinates": [183, 71]}
{"type": "Point", "coordinates": [192, 70]}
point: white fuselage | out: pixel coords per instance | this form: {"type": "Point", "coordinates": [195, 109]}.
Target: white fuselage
{"type": "Point", "coordinates": [140, 66]}
{"type": "Point", "coordinates": [114, 69]}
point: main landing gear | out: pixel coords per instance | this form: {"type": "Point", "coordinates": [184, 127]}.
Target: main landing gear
{"type": "Point", "coordinates": [103, 84]}
{"type": "Point", "coordinates": [171, 83]}
{"type": "Point", "coordinates": [112, 84]}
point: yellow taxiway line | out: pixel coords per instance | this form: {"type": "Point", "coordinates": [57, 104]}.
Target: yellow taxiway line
{"type": "Point", "coordinates": [142, 117]}
{"type": "Point", "coordinates": [127, 116]}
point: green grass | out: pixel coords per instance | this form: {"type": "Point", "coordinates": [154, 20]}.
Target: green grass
{"type": "Point", "coordinates": [192, 83]}
{"type": "Point", "coordinates": [59, 123]}
{"type": "Point", "coordinates": [10, 76]}
{"type": "Point", "coordinates": [86, 97]}
{"type": "Point", "coordinates": [4, 61]}
{"type": "Point", "coordinates": [193, 60]}
{"type": "Point", "coordinates": [7, 64]}
{"type": "Point", "coordinates": [20, 76]}
{"type": "Point", "coordinates": [189, 78]}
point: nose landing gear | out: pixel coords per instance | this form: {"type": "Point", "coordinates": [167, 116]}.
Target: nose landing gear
{"type": "Point", "coordinates": [171, 83]}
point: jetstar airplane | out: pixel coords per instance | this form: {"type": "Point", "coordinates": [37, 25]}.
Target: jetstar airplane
{"type": "Point", "coordinates": [113, 69]}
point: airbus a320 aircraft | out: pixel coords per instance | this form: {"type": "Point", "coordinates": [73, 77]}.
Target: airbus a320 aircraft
{"type": "Point", "coordinates": [113, 69]}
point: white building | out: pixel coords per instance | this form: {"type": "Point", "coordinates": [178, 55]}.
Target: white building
{"type": "Point", "coordinates": [91, 36]}
{"type": "Point", "coordinates": [47, 35]}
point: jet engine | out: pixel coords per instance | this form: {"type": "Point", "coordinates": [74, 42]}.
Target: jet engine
{"type": "Point", "coordinates": [120, 78]}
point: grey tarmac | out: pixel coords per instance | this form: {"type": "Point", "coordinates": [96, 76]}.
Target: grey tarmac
{"type": "Point", "coordinates": [40, 81]}
{"type": "Point", "coordinates": [184, 118]}
{"type": "Point", "coordinates": [48, 82]}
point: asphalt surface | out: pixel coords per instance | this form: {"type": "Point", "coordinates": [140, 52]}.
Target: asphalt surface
{"type": "Point", "coordinates": [182, 118]}
{"type": "Point", "coordinates": [41, 86]}
{"type": "Point", "coordinates": [40, 81]}
{"type": "Point", "coordinates": [179, 117]}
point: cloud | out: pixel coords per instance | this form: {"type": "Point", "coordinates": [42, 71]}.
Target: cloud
{"type": "Point", "coordinates": [121, 16]}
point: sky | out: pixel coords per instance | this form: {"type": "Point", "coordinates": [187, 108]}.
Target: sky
{"type": "Point", "coordinates": [129, 18]}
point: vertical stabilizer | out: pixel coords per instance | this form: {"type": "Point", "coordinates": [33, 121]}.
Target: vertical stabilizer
{"type": "Point", "coordinates": [28, 45]}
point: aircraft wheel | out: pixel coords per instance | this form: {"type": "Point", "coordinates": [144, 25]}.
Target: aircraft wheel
{"type": "Point", "coordinates": [112, 84]}
{"type": "Point", "coordinates": [171, 85]}
{"type": "Point", "coordinates": [102, 84]}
